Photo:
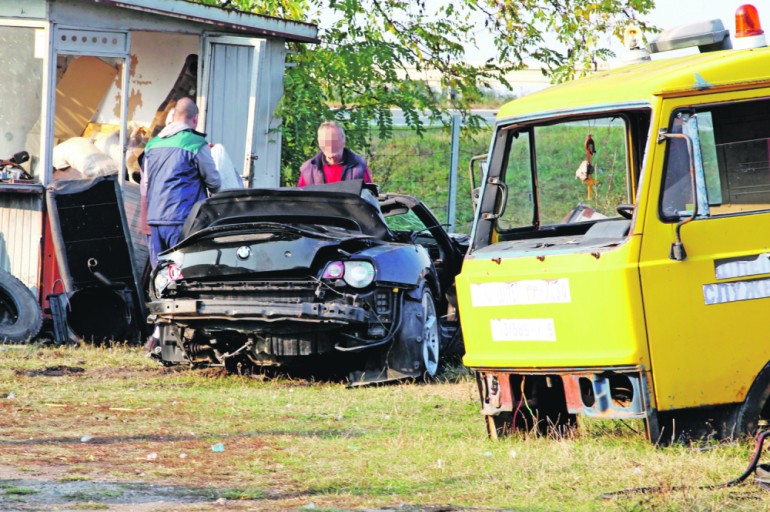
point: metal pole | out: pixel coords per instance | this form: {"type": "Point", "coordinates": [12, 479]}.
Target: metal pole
{"type": "Point", "coordinates": [454, 161]}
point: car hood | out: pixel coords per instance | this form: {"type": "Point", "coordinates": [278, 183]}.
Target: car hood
{"type": "Point", "coordinates": [261, 249]}
{"type": "Point", "coordinates": [345, 205]}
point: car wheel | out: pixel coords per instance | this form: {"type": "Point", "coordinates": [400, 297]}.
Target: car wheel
{"type": "Point", "coordinates": [415, 350]}
{"type": "Point", "coordinates": [20, 315]}
{"type": "Point", "coordinates": [431, 340]}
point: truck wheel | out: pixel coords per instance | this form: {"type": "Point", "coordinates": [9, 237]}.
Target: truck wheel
{"type": "Point", "coordinates": [20, 315]}
{"type": "Point", "coordinates": [755, 410]}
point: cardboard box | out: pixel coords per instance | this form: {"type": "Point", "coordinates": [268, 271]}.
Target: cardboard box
{"type": "Point", "coordinates": [79, 93]}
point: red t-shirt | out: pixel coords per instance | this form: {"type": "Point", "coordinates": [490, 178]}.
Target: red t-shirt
{"type": "Point", "coordinates": [333, 174]}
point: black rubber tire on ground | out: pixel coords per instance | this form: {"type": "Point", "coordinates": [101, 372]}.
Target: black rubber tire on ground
{"type": "Point", "coordinates": [20, 315]}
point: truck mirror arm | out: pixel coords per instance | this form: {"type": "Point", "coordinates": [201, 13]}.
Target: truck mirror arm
{"type": "Point", "coordinates": [677, 248]}
{"type": "Point", "coordinates": [476, 190]}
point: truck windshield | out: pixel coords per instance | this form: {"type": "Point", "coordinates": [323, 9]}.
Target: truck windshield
{"type": "Point", "coordinates": [565, 173]}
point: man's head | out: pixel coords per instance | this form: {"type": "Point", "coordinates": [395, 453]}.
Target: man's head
{"type": "Point", "coordinates": [331, 141]}
{"type": "Point", "coordinates": [186, 111]}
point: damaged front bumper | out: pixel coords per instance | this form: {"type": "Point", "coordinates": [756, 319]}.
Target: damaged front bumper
{"type": "Point", "coordinates": [620, 392]}
{"type": "Point", "coordinates": [286, 328]}
{"type": "Point", "coordinates": [185, 310]}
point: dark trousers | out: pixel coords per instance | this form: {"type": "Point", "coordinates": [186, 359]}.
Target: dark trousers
{"type": "Point", "coordinates": [162, 238]}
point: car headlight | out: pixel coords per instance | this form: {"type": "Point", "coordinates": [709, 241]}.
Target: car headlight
{"type": "Point", "coordinates": [165, 276]}
{"type": "Point", "coordinates": [358, 274]}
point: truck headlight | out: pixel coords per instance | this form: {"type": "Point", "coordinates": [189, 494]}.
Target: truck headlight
{"type": "Point", "coordinates": [358, 274]}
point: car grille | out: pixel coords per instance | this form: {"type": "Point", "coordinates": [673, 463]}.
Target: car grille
{"type": "Point", "coordinates": [278, 291]}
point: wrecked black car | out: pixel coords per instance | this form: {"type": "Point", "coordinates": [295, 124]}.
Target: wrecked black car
{"type": "Point", "coordinates": [332, 276]}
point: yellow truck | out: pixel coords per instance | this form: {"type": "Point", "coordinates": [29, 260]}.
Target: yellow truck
{"type": "Point", "coordinates": [619, 264]}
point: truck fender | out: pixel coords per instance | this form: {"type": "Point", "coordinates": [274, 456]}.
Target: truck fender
{"type": "Point", "coordinates": [755, 404]}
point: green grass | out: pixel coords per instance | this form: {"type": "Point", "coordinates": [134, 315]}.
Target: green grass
{"type": "Point", "coordinates": [290, 442]}
{"type": "Point", "coordinates": [93, 495]}
{"type": "Point", "coordinates": [19, 491]}
{"type": "Point", "coordinates": [75, 478]}
{"type": "Point", "coordinates": [243, 494]}
{"type": "Point", "coordinates": [90, 505]}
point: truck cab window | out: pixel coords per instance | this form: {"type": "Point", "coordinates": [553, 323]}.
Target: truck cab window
{"type": "Point", "coordinates": [561, 152]}
{"type": "Point", "coordinates": [542, 174]}
{"type": "Point", "coordinates": [734, 142]}
{"type": "Point", "coordinates": [520, 202]}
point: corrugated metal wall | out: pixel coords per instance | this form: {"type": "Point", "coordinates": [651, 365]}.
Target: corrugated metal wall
{"type": "Point", "coordinates": [21, 225]}
{"type": "Point", "coordinates": [227, 107]}
{"type": "Point", "coordinates": [267, 136]}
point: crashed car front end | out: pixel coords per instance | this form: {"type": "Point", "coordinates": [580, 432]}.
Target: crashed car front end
{"type": "Point", "coordinates": [265, 293]}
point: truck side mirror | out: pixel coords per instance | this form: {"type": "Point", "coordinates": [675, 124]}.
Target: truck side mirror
{"type": "Point", "coordinates": [677, 252]}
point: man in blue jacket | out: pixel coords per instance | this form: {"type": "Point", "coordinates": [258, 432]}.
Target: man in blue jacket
{"type": "Point", "coordinates": [180, 172]}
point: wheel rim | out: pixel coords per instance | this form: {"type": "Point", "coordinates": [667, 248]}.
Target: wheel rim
{"type": "Point", "coordinates": [9, 313]}
{"type": "Point", "coordinates": [430, 336]}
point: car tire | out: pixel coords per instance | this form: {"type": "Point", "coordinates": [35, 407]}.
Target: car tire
{"type": "Point", "coordinates": [20, 314]}
{"type": "Point", "coordinates": [431, 337]}
{"type": "Point", "coordinates": [420, 335]}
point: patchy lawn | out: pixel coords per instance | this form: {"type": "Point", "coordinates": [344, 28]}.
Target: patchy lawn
{"type": "Point", "coordinates": [89, 428]}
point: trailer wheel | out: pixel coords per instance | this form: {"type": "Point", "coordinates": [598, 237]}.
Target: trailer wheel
{"type": "Point", "coordinates": [20, 315]}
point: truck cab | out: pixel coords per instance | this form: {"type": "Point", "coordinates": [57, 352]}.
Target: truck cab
{"type": "Point", "coordinates": [619, 264]}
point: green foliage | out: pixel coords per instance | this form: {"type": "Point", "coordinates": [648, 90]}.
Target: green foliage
{"type": "Point", "coordinates": [20, 491]}
{"type": "Point", "coordinates": [374, 55]}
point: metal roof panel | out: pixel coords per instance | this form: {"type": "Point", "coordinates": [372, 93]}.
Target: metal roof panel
{"type": "Point", "coordinates": [640, 83]}
{"type": "Point", "coordinates": [225, 18]}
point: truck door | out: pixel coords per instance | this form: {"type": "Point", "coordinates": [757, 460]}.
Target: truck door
{"type": "Point", "coordinates": [230, 103]}
{"type": "Point", "coordinates": [706, 314]}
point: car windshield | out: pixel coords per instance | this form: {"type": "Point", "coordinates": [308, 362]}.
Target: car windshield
{"type": "Point", "coordinates": [404, 221]}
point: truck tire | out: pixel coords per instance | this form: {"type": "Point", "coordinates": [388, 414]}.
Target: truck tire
{"type": "Point", "coordinates": [755, 409]}
{"type": "Point", "coordinates": [20, 315]}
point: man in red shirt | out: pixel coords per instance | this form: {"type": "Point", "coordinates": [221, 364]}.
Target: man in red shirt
{"type": "Point", "coordinates": [334, 162]}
